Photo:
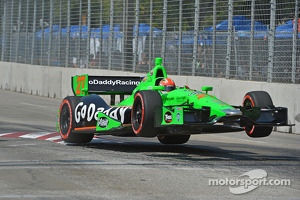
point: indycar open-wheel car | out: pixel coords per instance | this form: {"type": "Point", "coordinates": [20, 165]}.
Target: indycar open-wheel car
{"type": "Point", "coordinates": [147, 109]}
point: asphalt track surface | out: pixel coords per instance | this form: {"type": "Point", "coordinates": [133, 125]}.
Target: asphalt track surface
{"type": "Point", "coordinates": [36, 164]}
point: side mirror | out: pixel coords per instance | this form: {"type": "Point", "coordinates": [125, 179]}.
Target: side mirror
{"type": "Point", "coordinates": [207, 88]}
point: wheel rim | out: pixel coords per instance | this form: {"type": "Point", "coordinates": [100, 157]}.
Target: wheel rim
{"type": "Point", "coordinates": [65, 119]}
{"type": "Point", "coordinates": [248, 104]}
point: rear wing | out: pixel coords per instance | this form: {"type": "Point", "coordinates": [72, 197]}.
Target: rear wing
{"type": "Point", "coordinates": [83, 85]}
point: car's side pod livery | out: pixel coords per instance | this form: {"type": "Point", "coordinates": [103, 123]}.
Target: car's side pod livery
{"type": "Point", "coordinates": [148, 109]}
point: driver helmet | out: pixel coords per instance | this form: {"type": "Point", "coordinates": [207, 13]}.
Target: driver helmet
{"type": "Point", "coordinates": [168, 83]}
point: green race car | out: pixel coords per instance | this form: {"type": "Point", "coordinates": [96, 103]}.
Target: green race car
{"type": "Point", "coordinates": [152, 106]}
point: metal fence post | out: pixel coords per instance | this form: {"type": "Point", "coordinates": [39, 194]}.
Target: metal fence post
{"type": "Point", "coordinates": [229, 38]}
{"type": "Point", "coordinates": [59, 36]}
{"type": "Point", "coordinates": [11, 30]}
{"type": "Point", "coordinates": [196, 30]}
{"type": "Point", "coordinates": [214, 38]}
{"type": "Point", "coordinates": [78, 57]}
{"type": "Point", "coordinates": [151, 33]}
{"type": "Point", "coordinates": [123, 28]}
{"type": "Point", "coordinates": [41, 59]}
{"type": "Point", "coordinates": [18, 33]}
{"type": "Point", "coordinates": [164, 30]}
{"type": "Point", "coordinates": [68, 34]}
{"type": "Point", "coordinates": [180, 39]}
{"type": "Point", "coordinates": [111, 29]}
{"type": "Point", "coordinates": [295, 43]}
{"type": "Point", "coordinates": [136, 36]}
{"type": "Point", "coordinates": [251, 39]}
{"type": "Point", "coordinates": [88, 39]}
{"type": "Point", "coordinates": [128, 36]}
{"type": "Point", "coordinates": [271, 36]}
{"type": "Point", "coordinates": [49, 50]}
{"type": "Point", "coordinates": [3, 35]}
{"type": "Point", "coordinates": [100, 36]}
{"type": "Point", "coordinates": [33, 33]}
{"type": "Point", "coordinates": [26, 33]}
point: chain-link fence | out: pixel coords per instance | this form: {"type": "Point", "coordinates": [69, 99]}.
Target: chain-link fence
{"type": "Point", "coordinates": [246, 40]}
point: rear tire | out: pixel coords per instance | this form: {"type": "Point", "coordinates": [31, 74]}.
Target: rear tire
{"type": "Point", "coordinates": [67, 122]}
{"type": "Point", "coordinates": [173, 139]}
{"type": "Point", "coordinates": [142, 113]}
{"type": "Point", "coordinates": [260, 99]}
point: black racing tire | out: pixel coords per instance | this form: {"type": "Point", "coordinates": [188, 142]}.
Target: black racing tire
{"type": "Point", "coordinates": [142, 113]}
{"type": "Point", "coordinates": [260, 99]}
{"type": "Point", "coordinates": [173, 139]}
{"type": "Point", "coordinates": [67, 122]}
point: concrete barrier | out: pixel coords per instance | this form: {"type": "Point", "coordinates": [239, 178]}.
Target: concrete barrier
{"type": "Point", "coordinates": [55, 82]}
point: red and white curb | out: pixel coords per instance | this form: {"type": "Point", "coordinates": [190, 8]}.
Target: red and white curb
{"type": "Point", "coordinates": [50, 136]}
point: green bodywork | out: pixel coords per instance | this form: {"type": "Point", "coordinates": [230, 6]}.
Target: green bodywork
{"type": "Point", "coordinates": [173, 102]}
{"type": "Point", "coordinates": [106, 123]}
{"type": "Point", "coordinates": [181, 97]}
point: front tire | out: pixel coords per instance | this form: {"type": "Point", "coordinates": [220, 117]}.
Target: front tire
{"type": "Point", "coordinates": [260, 99]}
{"type": "Point", "coordinates": [143, 111]}
{"type": "Point", "coordinates": [67, 122]}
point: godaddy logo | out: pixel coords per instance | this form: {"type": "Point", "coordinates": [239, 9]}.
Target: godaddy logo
{"type": "Point", "coordinates": [249, 181]}
{"type": "Point", "coordinates": [113, 82]}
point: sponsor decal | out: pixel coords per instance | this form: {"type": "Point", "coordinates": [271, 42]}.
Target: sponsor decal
{"type": "Point", "coordinates": [180, 98]}
{"type": "Point", "coordinates": [80, 84]}
{"type": "Point", "coordinates": [168, 117]}
{"type": "Point", "coordinates": [178, 117]}
{"type": "Point", "coordinates": [193, 93]}
{"type": "Point", "coordinates": [103, 122]}
{"type": "Point", "coordinates": [113, 82]}
{"type": "Point", "coordinates": [170, 99]}
{"type": "Point", "coordinates": [199, 96]}
{"type": "Point", "coordinates": [90, 112]}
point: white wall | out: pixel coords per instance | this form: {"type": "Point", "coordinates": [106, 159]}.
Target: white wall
{"type": "Point", "coordinates": [56, 82]}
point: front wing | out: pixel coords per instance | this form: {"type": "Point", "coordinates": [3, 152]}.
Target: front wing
{"type": "Point", "coordinates": [276, 116]}
{"type": "Point", "coordinates": [188, 120]}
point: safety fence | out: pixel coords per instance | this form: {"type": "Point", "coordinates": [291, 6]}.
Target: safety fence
{"type": "Point", "coordinates": [246, 40]}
